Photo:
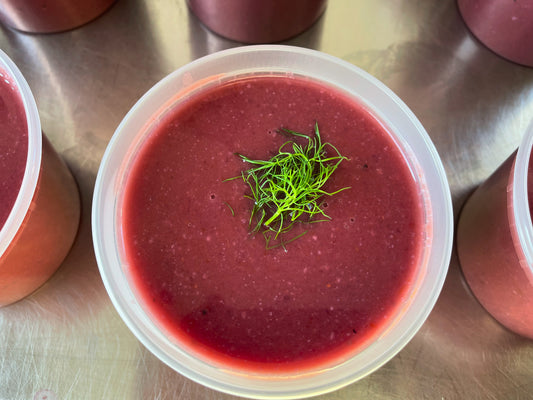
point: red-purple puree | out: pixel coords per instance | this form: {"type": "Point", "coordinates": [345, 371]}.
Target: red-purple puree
{"type": "Point", "coordinates": [13, 144]}
{"type": "Point", "coordinates": [215, 286]}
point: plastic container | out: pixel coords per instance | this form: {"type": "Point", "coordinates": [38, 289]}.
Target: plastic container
{"type": "Point", "coordinates": [412, 138]}
{"type": "Point", "coordinates": [505, 27]}
{"type": "Point", "coordinates": [50, 15]}
{"type": "Point", "coordinates": [495, 242]}
{"type": "Point", "coordinates": [43, 222]}
{"type": "Point", "coordinates": [251, 21]}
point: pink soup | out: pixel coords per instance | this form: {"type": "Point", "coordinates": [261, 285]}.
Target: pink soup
{"type": "Point", "coordinates": [491, 255]}
{"type": "Point", "coordinates": [42, 238]}
{"type": "Point", "coordinates": [213, 285]}
{"type": "Point", "coordinates": [13, 144]}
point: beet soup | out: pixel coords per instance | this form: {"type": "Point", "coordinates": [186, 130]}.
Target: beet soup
{"type": "Point", "coordinates": [494, 259]}
{"type": "Point", "coordinates": [213, 285]}
{"type": "Point", "coordinates": [39, 201]}
{"type": "Point", "coordinates": [13, 144]}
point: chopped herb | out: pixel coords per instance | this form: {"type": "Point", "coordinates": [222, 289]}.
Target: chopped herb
{"type": "Point", "coordinates": [288, 187]}
{"type": "Point", "coordinates": [230, 208]}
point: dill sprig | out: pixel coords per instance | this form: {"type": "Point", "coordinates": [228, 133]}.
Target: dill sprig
{"type": "Point", "coordinates": [288, 187]}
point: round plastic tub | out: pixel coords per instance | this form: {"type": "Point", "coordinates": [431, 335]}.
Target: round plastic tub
{"type": "Point", "coordinates": [505, 27]}
{"type": "Point", "coordinates": [409, 134]}
{"type": "Point", "coordinates": [51, 15]}
{"type": "Point", "coordinates": [495, 241]}
{"type": "Point", "coordinates": [251, 21]}
{"type": "Point", "coordinates": [43, 221]}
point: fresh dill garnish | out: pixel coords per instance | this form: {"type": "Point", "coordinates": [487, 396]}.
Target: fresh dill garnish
{"type": "Point", "coordinates": [269, 236]}
{"type": "Point", "coordinates": [287, 188]}
{"type": "Point", "coordinates": [230, 208]}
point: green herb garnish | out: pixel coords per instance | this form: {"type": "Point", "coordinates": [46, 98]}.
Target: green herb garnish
{"type": "Point", "coordinates": [230, 208]}
{"type": "Point", "coordinates": [288, 187]}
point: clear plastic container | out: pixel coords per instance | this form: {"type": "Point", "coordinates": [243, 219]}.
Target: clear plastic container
{"type": "Point", "coordinates": [495, 241]}
{"type": "Point", "coordinates": [411, 137]}
{"type": "Point", "coordinates": [250, 21]}
{"type": "Point", "coordinates": [505, 27]}
{"type": "Point", "coordinates": [43, 222]}
{"type": "Point", "coordinates": [50, 15]}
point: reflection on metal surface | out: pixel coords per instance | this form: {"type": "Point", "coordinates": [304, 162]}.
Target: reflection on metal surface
{"type": "Point", "coordinates": [68, 339]}
{"type": "Point", "coordinates": [45, 394]}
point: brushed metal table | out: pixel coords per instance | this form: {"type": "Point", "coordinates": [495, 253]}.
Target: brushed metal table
{"type": "Point", "coordinates": [66, 341]}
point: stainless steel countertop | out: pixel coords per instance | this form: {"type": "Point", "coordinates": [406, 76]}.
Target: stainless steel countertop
{"type": "Point", "coordinates": [66, 341]}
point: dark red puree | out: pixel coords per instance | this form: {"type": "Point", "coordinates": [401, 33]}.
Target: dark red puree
{"type": "Point", "coordinates": [13, 144]}
{"type": "Point", "coordinates": [213, 285]}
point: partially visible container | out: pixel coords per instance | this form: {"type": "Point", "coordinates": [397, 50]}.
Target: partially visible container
{"type": "Point", "coordinates": [42, 224]}
{"type": "Point", "coordinates": [47, 16]}
{"type": "Point", "coordinates": [504, 26]}
{"type": "Point", "coordinates": [495, 241]}
{"type": "Point", "coordinates": [263, 21]}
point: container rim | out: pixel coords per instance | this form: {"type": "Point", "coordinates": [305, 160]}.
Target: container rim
{"type": "Point", "coordinates": [291, 60]}
{"type": "Point", "coordinates": [33, 160]}
{"type": "Point", "coordinates": [521, 213]}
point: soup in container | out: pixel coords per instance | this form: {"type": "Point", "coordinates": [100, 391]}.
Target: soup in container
{"type": "Point", "coordinates": [250, 21]}
{"type": "Point", "coordinates": [51, 15]}
{"type": "Point", "coordinates": [39, 203]}
{"type": "Point", "coordinates": [505, 27]}
{"type": "Point", "coordinates": [208, 287]}
{"type": "Point", "coordinates": [495, 241]}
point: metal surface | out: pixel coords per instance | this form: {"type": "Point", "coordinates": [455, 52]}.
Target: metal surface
{"type": "Point", "coordinates": [66, 341]}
